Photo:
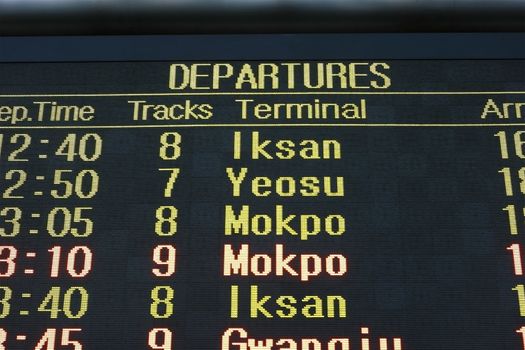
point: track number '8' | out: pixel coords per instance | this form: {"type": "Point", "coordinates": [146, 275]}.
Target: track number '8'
{"type": "Point", "coordinates": [166, 224]}
{"type": "Point", "coordinates": [170, 146]}
{"type": "Point", "coordinates": [162, 305]}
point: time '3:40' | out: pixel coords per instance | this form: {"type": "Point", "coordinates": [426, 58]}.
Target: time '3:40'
{"type": "Point", "coordinates": [72, 303]}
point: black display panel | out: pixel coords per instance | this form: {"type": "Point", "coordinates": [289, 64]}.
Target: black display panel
{"type": "Point", "coordinates": [319, 192]}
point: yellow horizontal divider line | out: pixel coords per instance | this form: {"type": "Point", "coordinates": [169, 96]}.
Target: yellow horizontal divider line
{"type": "Point", "coordinates": [286, 93]}
{"type": "Point", "coordinates": [252, 126]}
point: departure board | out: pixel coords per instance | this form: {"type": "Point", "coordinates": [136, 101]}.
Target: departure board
{"type": "Point", "coordinates": [263, 192]}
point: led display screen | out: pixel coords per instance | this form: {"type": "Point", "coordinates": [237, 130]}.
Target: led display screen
{"type": "Point", "coordinates": [302, 192]}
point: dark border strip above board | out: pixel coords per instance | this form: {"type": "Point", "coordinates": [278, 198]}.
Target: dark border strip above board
{"type": "Point", "coordinates": [125, 21]}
